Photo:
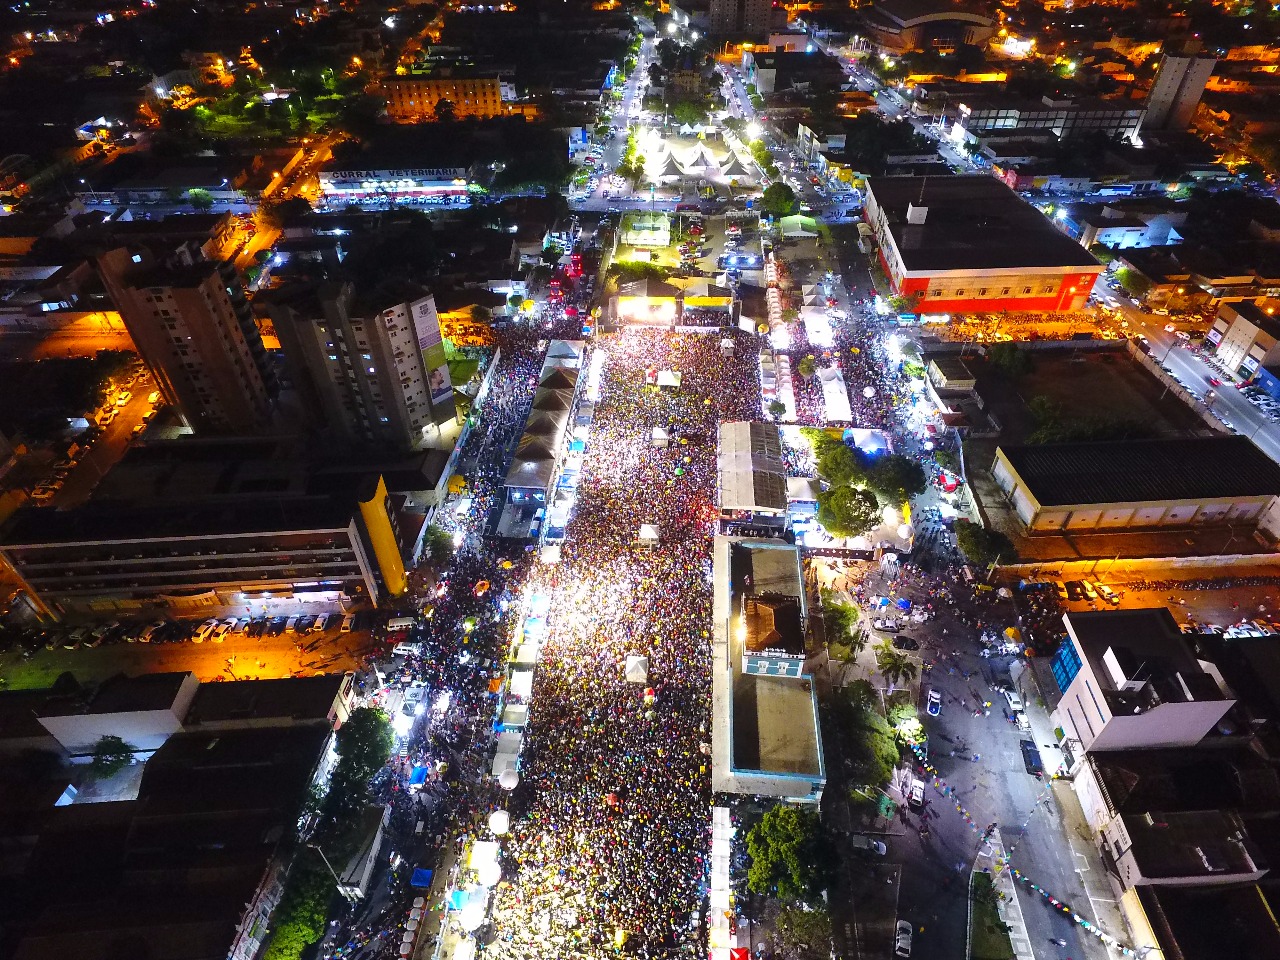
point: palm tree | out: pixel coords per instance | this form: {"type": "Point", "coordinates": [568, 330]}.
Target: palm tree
{"type": "Point", "coordinates": [895, 666]}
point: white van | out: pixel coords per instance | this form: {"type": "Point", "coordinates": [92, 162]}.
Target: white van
{"type": "Point", "coordinates": [406, 649]}
{"type": "Point", "coordinates": [400, 623]}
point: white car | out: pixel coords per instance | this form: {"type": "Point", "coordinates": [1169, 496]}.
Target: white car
{"type": "Point", "coordinates": [902, 939]}
{"type": "Point", "coordinates": [1015, 701]}
{"type": "Point", "coordinates": [204, 631]}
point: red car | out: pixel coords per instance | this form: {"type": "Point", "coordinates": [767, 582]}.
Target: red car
{"type": "Point", "coordinates": [1215, 382]}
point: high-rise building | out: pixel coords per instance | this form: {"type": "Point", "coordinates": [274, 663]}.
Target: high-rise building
{"type": "Point", "coordinates": [193, 327]}
{"type": "Point", "coordinates": [1176, 92]}
{"type": "Point", "coordinates": [371, 367]}
{"type": "Point", "coordinates": [744, 19]}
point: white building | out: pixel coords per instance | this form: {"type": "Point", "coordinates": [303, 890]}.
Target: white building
{"type": "Point", "coordinates": [1129, 680]}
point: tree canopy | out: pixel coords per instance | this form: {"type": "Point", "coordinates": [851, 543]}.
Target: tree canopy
{"type": "Point", "coordinates": [869, 140]}
{"type": "Point", "coordinates": [847, 511]}
{"type": "Point", "coordinates": [778, 200]}
{"type": "Point", "coordinates": [980, 545]}
{"type": "Point", "coordinates": [896, 478]}
{"type": "Point", "coordinates": [110, 755]}
{"type": "Point", "coordinates": [788, 853]}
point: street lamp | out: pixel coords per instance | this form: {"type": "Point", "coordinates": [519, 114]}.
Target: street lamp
{"type": "Point", "coordinates": [92, 195]}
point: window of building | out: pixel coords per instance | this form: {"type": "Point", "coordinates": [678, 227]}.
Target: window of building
{"type": "Point", "coordinates": [1005, 291]}
{"type": "Point", "coordinates": [960, 292]}
{"type": "Point", "coordinates": [1026, 289]}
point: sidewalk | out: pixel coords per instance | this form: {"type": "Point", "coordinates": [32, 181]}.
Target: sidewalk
{"type": "Point", "coordinates": [1101, 899]}
{"type": "Point", "coordinates": [989, 860]}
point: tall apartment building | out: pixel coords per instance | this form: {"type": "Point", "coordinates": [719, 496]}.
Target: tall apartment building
{"type": "Point", "coordinates": [1176, 92]}
{"type": "Point", "coordinates": [192, 325]}
{"type": "Point", "coordinates": [746, 19]}
{"type": "Point", "coordinates": [472, 95]}
{"type": "Point", "coordinates": [372, 367]}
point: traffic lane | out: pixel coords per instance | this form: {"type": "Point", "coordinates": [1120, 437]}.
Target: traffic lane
{"type": "Point", "coordinates": [1242, 416]}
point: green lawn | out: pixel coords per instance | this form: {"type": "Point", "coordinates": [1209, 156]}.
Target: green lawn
{"type": "Point", "coordinates": [990, 939]}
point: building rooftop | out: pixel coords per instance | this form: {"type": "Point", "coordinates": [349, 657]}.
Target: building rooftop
{"type": "Point", "coordinates": [1193, 468]}
{"type": "Point", "coordinates": [1142, 657]}
{"type": "Point", "coordinates": [1200, 844]}
{"type": "Point", "coordinates": [771, 731]}
{"type": "Point", "coordinates": [971, 223]}
{"type": "Point", "coordinates": [1253, 312]}
{"type": "Point", "coordinates": [750, 472]}
{"type": "Point", "coordinates": [1175, 780]}
{"type": "Point", "coordinates": [294, 699]}
{"type": "Point", "coordinates": [1209, 923]}
{"type": "Point", "coordinates": [144, 693]}
{"type": "Point", "coordinates": [775, 625]}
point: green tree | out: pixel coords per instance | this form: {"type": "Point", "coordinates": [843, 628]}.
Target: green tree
{"type": "Point", "coordinates": [838, 465]}
{"type": "Point", "coordinates": [110, 755]}
{"type": "Point", "coordinates": [807, 366]}
{"type": "Point", "coordinates": [439, 544]}
{"type": "Point", "coordinates": [894, 665]}
{"type": "Point", "coordinates": [1009, 359]}
{"type": "Point", "coordinates": [847, 512]}
{"type": "Point", "coordinates": [201, 200]}
{"type": "Point", "coordinates": [778, 200]}
{"type": "Point", "coordinates": [1134, 283]}
{"type": "Point", "coordinates": [1102, 253]}
{"type": "Point", "coordinates": [982, 546]}
{"type": "Point", "coordinates": [363, 745]}
{"type": "Point", "coordinates": [299, 919]}
{"type": "Point", "coordinates": [480, 313]}
{"type": "Point", "coordinates": [446, 111]}
{"type": "Point", "coordinates": [776, 409]}
{"type": "Point", "coordinates": [635, 174]}
{"type": "Point", "coordinates": [551, 254]}
{"type": "Point", "coordinates": [896, 478]}
{"type": "Point", "coordinates": [788, 853]}
{"type": "Point", "coordinates": [869, 140]}
{"type": "Point", "coordinates": [805, 933]}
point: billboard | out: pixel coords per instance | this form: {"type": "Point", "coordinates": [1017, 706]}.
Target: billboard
{"type": "Point", "coordinates": [426, 325]}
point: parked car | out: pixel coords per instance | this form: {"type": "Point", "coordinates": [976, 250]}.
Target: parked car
{"type": "Point", "coordinates": [1107, 594]}
{"type": "Point", "coordinates": [916, 795]}
{"type": "Point", "coordinates": [868, 845]}
{"type": "Point", "coordinates": [291, 624]}
{"type": "Point", "coordinates": [888, 626]}
{"type": "Point", "coordinates": [905, 643]}
{"type": "Point", "coordinates": [276, 626]}
{"type": "Point", "coordinates": [902, 939]}
{"type": "Point", "coordinates": [934, 706]}
{"type": "Point", "coordinates": [348, 622]}
{"type": "Point", "coordinates": [204, 631]}
{"type": "Point", "coordinates": [1015, 701]}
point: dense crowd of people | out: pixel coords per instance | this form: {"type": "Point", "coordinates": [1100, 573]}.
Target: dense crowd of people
{"type": "Point", "coordinates": [611, 821]}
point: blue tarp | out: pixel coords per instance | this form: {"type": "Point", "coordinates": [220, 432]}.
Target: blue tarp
{"type": "Point", "coordinates": [421, 878]}
{"type": "Point", "coordinates": [418, 776]}
{"type": "Point", "coordinates": [457, 899]}
{"type": "Point", "coordinates": [904, 603]}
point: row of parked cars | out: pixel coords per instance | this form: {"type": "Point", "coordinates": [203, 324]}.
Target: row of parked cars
{"type": "Point", "coordinates": [1087, 590]}
{"type": "Point", "coordinates": [175, 631]}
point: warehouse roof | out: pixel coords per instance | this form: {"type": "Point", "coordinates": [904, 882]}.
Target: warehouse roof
{"type": "Point", "coordinates": [1198, 468]}
{"type": "Point", "coordinates": [971, 223]}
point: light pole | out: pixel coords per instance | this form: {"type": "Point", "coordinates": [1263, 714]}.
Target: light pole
{"type": "Point", "coordinates": [92, 195]}
{"type": "Point", "coordinates": [347, 894]}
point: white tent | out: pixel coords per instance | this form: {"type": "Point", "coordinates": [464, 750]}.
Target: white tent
{"type": "Point", "coordinates": [835, 395]}
{"type": "Point", "coordinates": [521, 684]}
{"type": "Point", "coordinates": [661, 437]}
{"type": "Point", "coordinates": [670, 378]}
{"type": "Point", "coordinates": [649, 534]}
{"type": "Point", "coordinates": [637, 669]}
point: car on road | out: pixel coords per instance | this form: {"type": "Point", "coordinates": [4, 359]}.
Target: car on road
{"type": "Point", "coordinates": [1089, 592]}
{"type": "Point", "coordinates": [915, 796]}
{"type": "Point", "coordinates": [291, 624]}
{"type": "Point", "coordinates": [220, 632]}
{"type": "Point", "coordinates": [868, 845]}
{"type": "Point", "coordinates": [348, 623]}
{"type": "Point", "coordinates": [1075, 590]}
{"type": "Point", "coordinates": [276, 626]}
{"type": "Point", "coordinates": [902, 939]}
{"type": "Point", "coordinates": [204, 631]}
{"type": "Point", "coordinates": [1214, 382]}
{"type": "Point", "coordinates": [1015, 701]}
{"type": "Point", "coordinates": [888, 626]}
{"type": "Point", "coordinates": [935, 702]}
{"type": "Point", "coordinates": [905, 643]}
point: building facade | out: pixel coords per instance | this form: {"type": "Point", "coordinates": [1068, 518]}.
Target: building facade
{"type": "Point", "coordinates": [195, 330]}
{"type": "Point", "coordinates": [1064, 118]}
{"type": "Point", "coordinates": [1245, 337]}
{"type": "Point", "coordinates": [374, 373]}
{"type": "Point", "coordinates": [1176, 91]}
{"type": "Point", "coordinates": [218, 550]}
{"type": "Point", "coordinates": [471, 95]}
{"type": "Point", "coordinates": [743, 19]}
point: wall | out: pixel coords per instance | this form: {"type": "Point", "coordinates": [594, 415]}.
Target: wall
{"type": "Point", "coordinates": [1168, 725]}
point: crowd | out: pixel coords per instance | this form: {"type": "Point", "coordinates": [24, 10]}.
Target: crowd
{"type": "Point", "coordinates": [611, 821]}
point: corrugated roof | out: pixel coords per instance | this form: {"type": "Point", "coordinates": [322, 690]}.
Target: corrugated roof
{"type": "Point", "coordinates": [1197, 468]}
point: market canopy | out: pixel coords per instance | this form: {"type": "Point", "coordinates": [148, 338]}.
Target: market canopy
{"type": "Point", "coordinates": [649, 533]}
{"type": "Point", "coordinates": [750, 472]}
{"type": "Point", "coordinates": [637, 670]}
{"type": "Point", "coordinates": [559, 378]}
{"type": "Point", "coordinates": [735, 169]}
{"type": "Point", "coordinates": [704, 293]}
{"type": "Point", "coordinates": [797, 225]}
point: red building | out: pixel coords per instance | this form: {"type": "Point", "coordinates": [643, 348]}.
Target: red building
{"type": "Point", "coordinates": [971, 245]}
